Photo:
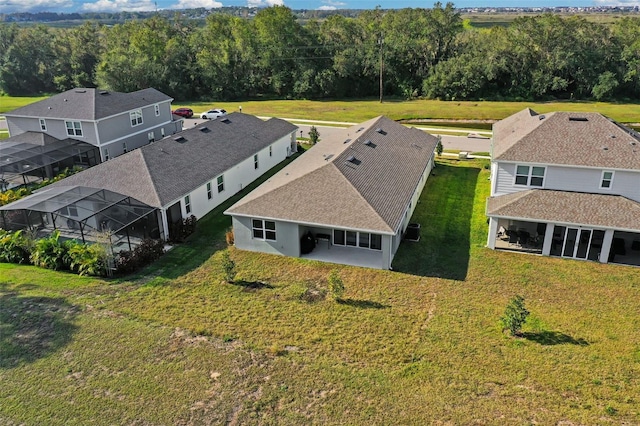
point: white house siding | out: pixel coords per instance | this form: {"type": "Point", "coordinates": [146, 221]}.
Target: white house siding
{"type": "Point", "coordinates": [287, 238]}
{"type": "Point", "coordinates": [235, 179]}
{"type": "Point", "coordinates": [576, 179]}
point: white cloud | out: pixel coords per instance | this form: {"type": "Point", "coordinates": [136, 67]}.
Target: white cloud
{"type": "Point", "coordinates": [327, 8]}
{"type": "Point", "coordinates": [10, 6]}
{"type": "Point", "coordinates": [617, 3]}
{"type": "Point", "coordinates": [331, 5]}
{"type": "Point", "coordinates": [264, 3]}
{"type": "Point", "coordinates": [192, 4]}
{"type": "Point", "coordinates": [119, 6]}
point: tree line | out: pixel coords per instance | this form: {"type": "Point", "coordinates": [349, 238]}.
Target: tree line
{"type": "Point", "coordinates": [430, 53]}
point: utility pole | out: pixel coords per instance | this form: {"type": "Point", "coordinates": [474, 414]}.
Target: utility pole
{"type": "Point", "coordinates": [381, 42]}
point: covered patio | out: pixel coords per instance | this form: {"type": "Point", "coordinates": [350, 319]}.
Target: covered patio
{"type": "Point", "coordinates": [85, 214]}
{"type": "Point", "coordinates": [326, 252]}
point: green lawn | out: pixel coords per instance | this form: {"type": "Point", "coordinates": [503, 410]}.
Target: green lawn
{"type": "Point", "coordinates": [361, 110]}
{"type": "Point", "coordinates": [420, 345]}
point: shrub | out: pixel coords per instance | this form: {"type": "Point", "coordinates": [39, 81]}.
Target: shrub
{"type": "Point", "coordinates": [515, 315]}
{"type": "Point", "coordinates": [182, 229]}
{"type": "Point", "coordinates": [229, 267]}
{"type": "Point", "coordinates": [439, 146]}
{"type": "Point", "coordinates": [147, 252]}
{"type": "Point", "coordinates": [230, 237]}
{"type": "Point", "coordinates": [14, 247]}
{"type": "Point", "coordinates": [336, 286]}
{"type": "Point", "coordinates": [86, 259]}
{"type": "Point", "coordinates": [49, 252]}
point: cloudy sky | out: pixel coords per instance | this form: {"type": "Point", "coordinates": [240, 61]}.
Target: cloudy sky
{"type": "Point", "coordinates": [8, 6]}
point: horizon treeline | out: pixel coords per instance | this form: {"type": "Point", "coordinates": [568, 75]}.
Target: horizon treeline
{"type": "Point", "coordinates": [430, 53]}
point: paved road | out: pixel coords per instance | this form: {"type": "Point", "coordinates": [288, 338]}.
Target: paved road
{"type": "Point", "coordinates": [462, 143]}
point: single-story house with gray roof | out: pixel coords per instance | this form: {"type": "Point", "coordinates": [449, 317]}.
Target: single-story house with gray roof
{"type": "Point", "coordinates": [353, 193]}
{"type": "Point", "coordinates": [565, 184]}
{"type": "Point", "coordinates": [186, 174]}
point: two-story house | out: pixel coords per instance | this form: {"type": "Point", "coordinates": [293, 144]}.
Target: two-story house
{"type": "Point", "coordinates": [112, 121]}
{"type": "Point", "coordinates": [565, 184]}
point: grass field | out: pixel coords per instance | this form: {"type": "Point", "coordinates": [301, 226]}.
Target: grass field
{"type": "Point", "coordinates": [361, 110]}
{"type": "Point", "coordinates": [422, 345]}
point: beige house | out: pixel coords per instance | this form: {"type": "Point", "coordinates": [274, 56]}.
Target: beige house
{"type": "Point", "coordinates": [565, 184]}
{"type": "Point", "coordinates": [352, 195]}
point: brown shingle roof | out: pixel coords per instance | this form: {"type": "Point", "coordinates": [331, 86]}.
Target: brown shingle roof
{"type": "Point", "coordinates": [571, 138]}
{"type": "Point", "coordinates": [599, 210]}
{"type": "Point", "coordinates": [360, 179]}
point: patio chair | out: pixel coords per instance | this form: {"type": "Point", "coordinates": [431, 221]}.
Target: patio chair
{"type": "Point", "coordinates": [513, 237]}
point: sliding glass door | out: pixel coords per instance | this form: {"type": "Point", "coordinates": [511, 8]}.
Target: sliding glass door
{"type": "Point", "coordinates": [577, 243]}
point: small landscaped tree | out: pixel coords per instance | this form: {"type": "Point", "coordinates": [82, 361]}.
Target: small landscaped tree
{"type": "Point", "coordinates": [515, 315]}
{"type": "Point", "coordinates": [336, 286]}
{"type": "Point", "coordinates": [229, 267]}
{"type": "Point", "coordinates": [439, 146]}
{"type": "Point", "coordinates": [314, 135]}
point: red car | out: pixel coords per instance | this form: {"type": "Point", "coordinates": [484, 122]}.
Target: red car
{"type": "Point", "coordinates": [183, 112]}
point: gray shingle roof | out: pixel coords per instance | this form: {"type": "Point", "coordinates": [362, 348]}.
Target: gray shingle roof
{"type": "Point", "coordinates": [571, 138]}
{"type": "Point", "coordinates": [89, 104]}
{"type": "Point", "coordinates": [361, 179]}
{"type": "Point", "coordinates": [166, 170]}
{"type": "Point", "coordinates": [598, 210]}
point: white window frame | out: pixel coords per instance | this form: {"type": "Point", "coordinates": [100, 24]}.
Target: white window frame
{"type": "Point", "coordinates": [209, 193]}
{"type": "Point", "coordinates": [74, 128]}
{"type": "Point", "coordinates": [256, 163]}
{"type": "Point", "coordinates": [359, 241]}
{"type": "Point", "coordinates": [187, 204]}
{"type": "Point", "coordinates": [260, 225]}
{"type": "Point", "coordinates": [43, 125]}
{"type": "Point", "coordinates": [603, 179]}
{"type": "Point", "coordinates": [220, 183]}
{"type": "Point", "coordinates": [156, 108]}
{"type": "Point", "coordinates": [135, 117]}
{"type": "Point", "coordinates": [530, 176]}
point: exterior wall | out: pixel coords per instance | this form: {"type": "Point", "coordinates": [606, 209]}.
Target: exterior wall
{"type": "Point", "coordinates": [287, 238]}
{"type": "Point", "coordinates": [55, 128]}
{"type": "Point", "coordinates": [235, 179]}
{"type": "Point", "coordinates": [570, 179]}
{"type": "Point", "coordinates": [119, 126]}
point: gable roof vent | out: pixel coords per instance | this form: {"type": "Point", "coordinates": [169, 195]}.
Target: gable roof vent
{"type": "Point", "coordinates": [369, 143]}
{"type": "Point", "coordinates": [578, 119]}
{"type": "Point", "coordinates": [225, 120]}
{"type": "Point", "coordinates": [180, 139]}
{"type": "Point", "coordinates": [382, 132]}
{"type": "Point", "coordinates": [205, 129]}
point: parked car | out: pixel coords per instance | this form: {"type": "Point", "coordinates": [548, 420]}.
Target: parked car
{"type": "Point", "coordinates": [183, 112]}
{"type": "Point", "coordinates": [213, 113]}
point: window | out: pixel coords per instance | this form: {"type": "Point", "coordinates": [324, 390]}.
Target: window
{"type": "Point", "coordinates": [43, 125]}
{"type": "Point", "coordinates": [151, 136]}
{"type": "Point", "coordinates": [209, 194]}
{"type": "Point", "coordinates": [255, 161]}
{"type": "Point", "coordinates": [270, 151]}
{"type": "Point", "coordinates": [607, 180]}
{"type": "Point", "coordinates": [530, 175]}
{"type": "Point", "coordinates": [187, 204]}
{"type": "Point", "coordinates": [124, 147]}
{"type": "Point", "coordinates": [74, 128]}
{"type": "Point", "coordinates": [220, 182]}
{"type": "Point", "coordinates": [264, 229]}
{"type": "Point", "coordinates": [156, 107]}
{"type": "Point", "coordinates": [136, 117]}
{"type": "Point", "coordinates": [357, 239]}
{"type": "Point", "coordinates": [105, 154]}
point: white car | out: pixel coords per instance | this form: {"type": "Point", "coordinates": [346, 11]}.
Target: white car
{"type": "Point", "coordinates": [213, 113]}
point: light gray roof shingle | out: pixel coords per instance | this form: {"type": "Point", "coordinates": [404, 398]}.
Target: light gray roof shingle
{"type": "Point", "coordinates": [89, 104]}
{"type": "Point", "coordinates": [360, 179]}
{"type": "Point", "coordinates": [598, 210]}
{"type": "Point", "coordinates": [166, 170]}
{"type": "Point", "coordinates": [569, 138]}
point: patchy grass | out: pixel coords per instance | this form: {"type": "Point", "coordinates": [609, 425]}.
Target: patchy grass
{"type": "Point", "coordinates": [180, 346]}
{"type": "Point", "coordinates": [358, 110]}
